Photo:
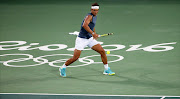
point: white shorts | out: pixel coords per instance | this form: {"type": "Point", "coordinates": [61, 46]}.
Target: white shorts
{"type": "Point", "coordinates": [81, 43]}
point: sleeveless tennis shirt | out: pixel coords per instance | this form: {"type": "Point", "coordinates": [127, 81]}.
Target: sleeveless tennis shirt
{"type": "Point", "coordinates": [83, 33]}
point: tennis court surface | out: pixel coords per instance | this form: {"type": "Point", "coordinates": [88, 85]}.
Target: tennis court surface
{"type": "Point", "coordinates": [144, 50]}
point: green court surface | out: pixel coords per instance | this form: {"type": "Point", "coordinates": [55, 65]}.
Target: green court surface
{"type": "Point", "coordinates": [145, 49]}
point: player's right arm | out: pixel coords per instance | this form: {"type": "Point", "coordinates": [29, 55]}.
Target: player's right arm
{"type": "Point", "coordinates": [87, 20]}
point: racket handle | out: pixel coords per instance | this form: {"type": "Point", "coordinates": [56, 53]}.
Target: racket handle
{"type": "Point", "coordinates": [99, 35]}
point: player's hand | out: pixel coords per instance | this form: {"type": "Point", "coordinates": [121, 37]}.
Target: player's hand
{"type": "Point", "coordinates": [95, 36]}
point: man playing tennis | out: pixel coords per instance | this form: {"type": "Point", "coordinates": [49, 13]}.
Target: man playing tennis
{"type": "Point", "coordinates": [87, 37]}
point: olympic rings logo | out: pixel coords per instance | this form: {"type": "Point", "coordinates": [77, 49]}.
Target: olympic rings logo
{"type": "Point", "coordinates": [43, 60]}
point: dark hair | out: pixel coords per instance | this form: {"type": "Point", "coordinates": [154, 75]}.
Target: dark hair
{"type": "Point", "coordinates": [95, 4]}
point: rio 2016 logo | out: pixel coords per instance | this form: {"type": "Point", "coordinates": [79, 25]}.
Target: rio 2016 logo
{"type": "Point", "coordinates": [20, 45]}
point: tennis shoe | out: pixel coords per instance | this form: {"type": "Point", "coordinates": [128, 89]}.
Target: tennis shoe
{"type": "Point", "coordinates": [62, 72]}
{"type": "Point", "coordinates": [108, 72]}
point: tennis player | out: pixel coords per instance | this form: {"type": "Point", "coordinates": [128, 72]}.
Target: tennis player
{"type": "Point", "coordinates": [87, 37]}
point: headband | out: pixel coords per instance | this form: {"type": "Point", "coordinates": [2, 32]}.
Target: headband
{"type": "Point", "coordinates": [94, 7]}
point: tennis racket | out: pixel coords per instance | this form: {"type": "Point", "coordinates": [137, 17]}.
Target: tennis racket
{"type": "Point", "coordinates": [105, 34]}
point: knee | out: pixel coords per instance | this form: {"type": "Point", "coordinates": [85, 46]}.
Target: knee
{"type": "Point", "coordinates": [75, 58]}
{"type": "Point", "coordinates": [102, 51]}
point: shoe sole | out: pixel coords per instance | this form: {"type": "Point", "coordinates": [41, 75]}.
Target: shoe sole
{"type": "Point", "coordinates": [108, 74]}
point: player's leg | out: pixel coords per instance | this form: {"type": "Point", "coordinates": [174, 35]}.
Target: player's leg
{"type": "Point", "coordinates": [76, 55]}
{"type": "Point", "coordinates": [79, 46]}
{"type": "Point", "coordinates": [98, 48]}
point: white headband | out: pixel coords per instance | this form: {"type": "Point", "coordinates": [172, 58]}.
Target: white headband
{"type": "Point", "coordinates": [94, 7]}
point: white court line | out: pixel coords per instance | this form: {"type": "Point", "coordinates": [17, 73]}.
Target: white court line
{"type": "Point", "coordinates": [163, 97]}
{"type": "Point", "coordinates": [87, 95]}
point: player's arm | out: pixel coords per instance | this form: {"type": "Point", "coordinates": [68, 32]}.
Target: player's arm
{"type": "Point", "coordinates": [94, 30]}
{"type": "Point", "coordinates": [87, 20]}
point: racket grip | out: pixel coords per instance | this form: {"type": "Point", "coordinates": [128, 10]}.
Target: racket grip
{"type": "Point", "coordinates": [99, 35]}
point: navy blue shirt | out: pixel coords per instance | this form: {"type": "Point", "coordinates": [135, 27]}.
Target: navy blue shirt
{"type": "Point", "coordinates": [83, 33]}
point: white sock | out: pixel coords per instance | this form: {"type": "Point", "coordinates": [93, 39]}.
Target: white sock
{"type": "Point", "coordinates": [106, 66]}
{"type": "Point", "coordinates": [64, 66]}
